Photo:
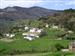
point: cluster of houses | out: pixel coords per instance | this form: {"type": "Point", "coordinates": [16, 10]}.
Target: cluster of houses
{"type": "Point", "coordinates": [53, 26]}
{"type": "Point", "coordinates": [8, 35]}
{"type": "Point", "coordinates": [28, 33]}
{"type": "Point", "coordinates": [32, 33]}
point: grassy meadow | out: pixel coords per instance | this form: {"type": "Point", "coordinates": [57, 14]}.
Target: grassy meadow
{"type": "Point", "coordinates": [43, 44]}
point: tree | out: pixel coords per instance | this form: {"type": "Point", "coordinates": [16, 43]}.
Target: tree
{"type": "Point", "coordinates": [69, 10]}
{"type": "Point", "coordinates": [58, 47]}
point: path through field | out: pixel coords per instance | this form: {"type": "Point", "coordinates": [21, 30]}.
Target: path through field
{"type": "Point", "coordinates": [36, 54]}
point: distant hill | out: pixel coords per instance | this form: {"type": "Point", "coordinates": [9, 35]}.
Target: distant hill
{"type": "Point", "coordinates": [15, 13]}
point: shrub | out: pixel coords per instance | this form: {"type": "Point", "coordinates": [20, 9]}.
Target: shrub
{"type": "Point", "coordinates": [58, 47]}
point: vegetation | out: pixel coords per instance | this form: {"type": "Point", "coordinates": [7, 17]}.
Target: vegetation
{"type": "Point", "coordinates": [48, 43]}
{"type": "Point", "coordinates": [61, 54]}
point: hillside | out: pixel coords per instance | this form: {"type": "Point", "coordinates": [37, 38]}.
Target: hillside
{"type": "Point", "coordinates": [15, 13]}
{"type": "Point", "coordinates": [43, 36]}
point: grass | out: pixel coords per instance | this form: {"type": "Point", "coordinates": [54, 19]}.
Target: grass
{"type": "Point", "coordinates": [33, 54]}
{"type": "Point", "coordinates": [61, 54]}
{"type": "Point", "coordinates": [40, 45]}
{"type": "Point", "coordinates": [47, 54]}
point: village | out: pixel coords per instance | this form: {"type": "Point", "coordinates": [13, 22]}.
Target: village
{"type": "Point", "coordinates": [31, 34]}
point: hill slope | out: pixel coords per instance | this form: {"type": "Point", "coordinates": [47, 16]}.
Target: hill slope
{"type": "Point", "coordinates": [15, 13]}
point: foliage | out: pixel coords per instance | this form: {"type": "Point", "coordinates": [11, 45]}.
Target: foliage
{"type": "Point", "coordinates": [69, 10]}
{"type": "Point", "coordinates": [59, 47]}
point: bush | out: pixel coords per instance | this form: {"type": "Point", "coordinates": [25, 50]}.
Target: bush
{"type": "Point", "coordinates": [58, 47]}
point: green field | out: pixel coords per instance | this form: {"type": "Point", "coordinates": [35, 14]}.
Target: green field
{"type": "Point", "coordinates": [41, 45]}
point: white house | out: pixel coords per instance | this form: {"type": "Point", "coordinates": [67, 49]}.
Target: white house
{"type": "Point", "coordinates": [36, 30]}
{"type": "Point", "coordinates": [37, 36]}
{"type": "Point", "coordinates": [39, 30]}
{"type": "Point", "coordinates": [12, 35]}
{"type": "Point", "coordinates": [64, 50]}
{"type": "Point", "coordinates": [33, 30]}
{"type": "Point", "coordinates": [55, 27]}
{"type": "Point", "coordinates": [26, 28]}
{"type": "Point", "coordinates": [28, 38]}
{"type": "Point", "coordinates": [70, 31]}
{"type": "Point", "coordinates": [47, 25]}
{"type": "Point", "coordinates": [24, 33]}
{"type": "Point", "coordinates": [9, 35]}
{"type": "Point", "coordinates": [32, 33]}
{"type": "Point", "coordinates": [59, 38]}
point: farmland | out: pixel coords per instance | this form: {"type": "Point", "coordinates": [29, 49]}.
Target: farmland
{"type": "Point", "coordinates": [43, 44]}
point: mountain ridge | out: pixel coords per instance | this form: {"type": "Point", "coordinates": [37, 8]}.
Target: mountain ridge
{"type": "Point", "coordinates": [16, 12]}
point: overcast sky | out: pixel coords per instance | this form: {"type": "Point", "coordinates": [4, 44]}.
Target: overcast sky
{"type": "Point", "coordinates": [50, 4]}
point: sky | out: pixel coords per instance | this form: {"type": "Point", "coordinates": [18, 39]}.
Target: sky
{"type": "Point", "coordinates": [49, 4]}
